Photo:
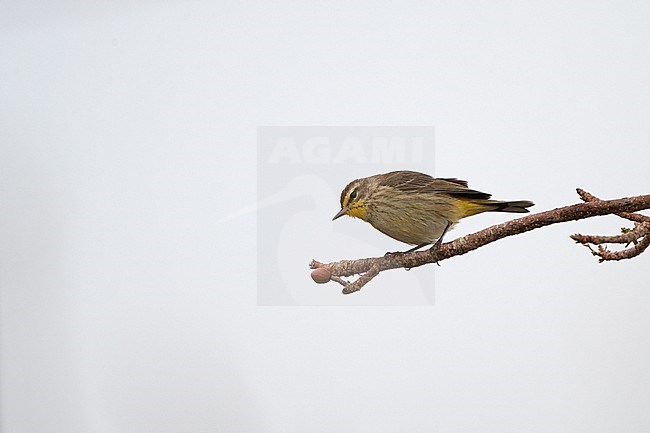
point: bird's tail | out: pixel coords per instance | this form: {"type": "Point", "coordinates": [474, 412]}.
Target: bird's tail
{"type": "Point", "coordinates": [512, 206]}
{"type": "Point", "coordinates": [473, 207]}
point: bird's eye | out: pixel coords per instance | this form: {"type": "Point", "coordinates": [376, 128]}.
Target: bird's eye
{"type": "Point", "coordinates": [353, 195]}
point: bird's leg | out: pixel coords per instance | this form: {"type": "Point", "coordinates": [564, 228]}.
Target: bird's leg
{"type": "Point", "coordinates": [418, 247]}
{"type": "Point", "coordinates": [436, 245]}
{"type": "Point", "coordinates": [439, 241]}
{"type": "Point", "coordinates": [408, 251]}
{"type": "Point", "coordinates": [444, 232]}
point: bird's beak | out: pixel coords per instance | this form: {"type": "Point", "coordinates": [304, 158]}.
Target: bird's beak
{"type": "Point", "coordinates": [342, 212]}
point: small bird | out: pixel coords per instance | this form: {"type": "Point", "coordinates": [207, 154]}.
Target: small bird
{"type": "Point", "coordinates": [416, 208]}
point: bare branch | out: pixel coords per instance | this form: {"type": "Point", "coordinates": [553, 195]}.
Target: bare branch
{"type": "Point", "coordinates": [627, 237]}
{"type": "Point", "coordinates": [585, 196]}
{"type": "Point", "coordinates": [627, 253]}
{"type": "Point", "coordinates": [639, 235]}
{"type": "Point", "coordinates": [370, 267]}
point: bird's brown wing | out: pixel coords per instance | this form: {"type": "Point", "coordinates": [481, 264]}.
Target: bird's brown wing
{"type": "Point", "coordinates": [415, 182]}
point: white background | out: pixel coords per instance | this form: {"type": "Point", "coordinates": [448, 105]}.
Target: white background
{"type": "Point", "coordinates": [127, 131]}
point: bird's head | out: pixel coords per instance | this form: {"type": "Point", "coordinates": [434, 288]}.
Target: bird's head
{"type": "Point", "coordinates": [354, 199]}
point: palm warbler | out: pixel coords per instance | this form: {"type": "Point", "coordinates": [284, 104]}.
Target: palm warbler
{"type": "Point", "coordinates": [416, 208]}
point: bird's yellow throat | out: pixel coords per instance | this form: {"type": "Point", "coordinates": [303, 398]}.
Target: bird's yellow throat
{"type": "Point", "coordinates": [358, 210]}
